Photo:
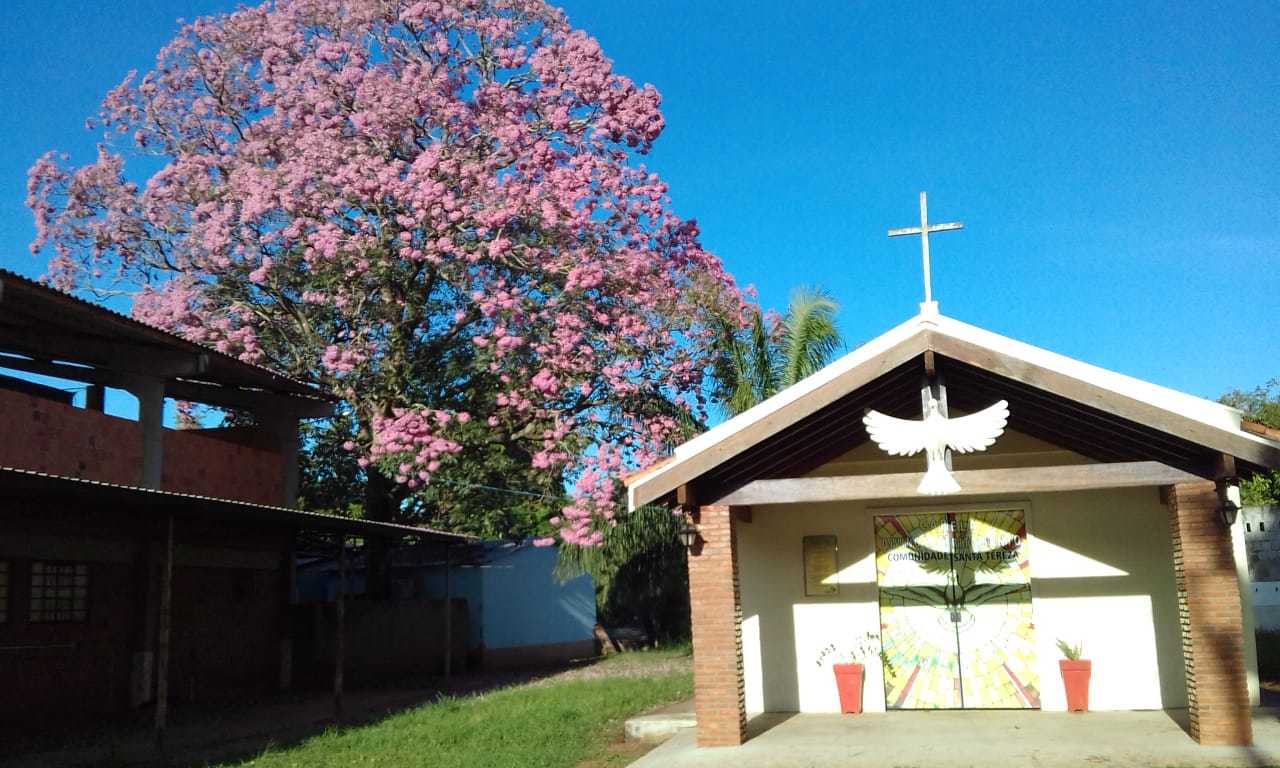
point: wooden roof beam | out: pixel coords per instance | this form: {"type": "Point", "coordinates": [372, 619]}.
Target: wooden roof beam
{"type": "Point", "coordinates": [787, 407]}
{"type": "Point", "coordinates": [1160, 419]}
{"type": "Point", "coordinates": [798, 440]}
{"type": "Point", "coordinates": [973, 482]}
{"type": "Point", "coordinates": [256, 401]}
{"type": "Point", "coordinates": [86, 374]}
{"type": "Point", "coordinates": [49, 325]}
{"type": "Point", "coordinates": [179, 389]}
{"type": "Point", "coordinates": [50, 346]}
{"type": "Point", "coordinates": [1056, 403]}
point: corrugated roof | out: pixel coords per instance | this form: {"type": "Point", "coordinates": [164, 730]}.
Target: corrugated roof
{"type": "Point", "coordinates": [16, 477]}
{"type": "Point", "coordinates": [226, 369]}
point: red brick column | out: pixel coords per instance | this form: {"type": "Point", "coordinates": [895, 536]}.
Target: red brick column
{"type": "Point", "coordinates": [1209, 607]}
{"type": "Point", "coordinates": [719, 696]}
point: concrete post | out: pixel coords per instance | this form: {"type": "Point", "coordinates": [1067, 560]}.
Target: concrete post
{"type": "Point", "coordinates": [147, 606]}
{"type": "Point", "coordinates": [95, 397]}
{"type": "Point", "coordinates": [448, 610]}
{"type": "Point", "coordinates": [340, 630]}
{"type": "Point", "coordinates": [162, 636]}
{"type": "Point", "coordinates": [150, 394]}
{"type": "Point", "coordinates": [284, 428]}
{"type": "Point", "coordinates": [288, 585]}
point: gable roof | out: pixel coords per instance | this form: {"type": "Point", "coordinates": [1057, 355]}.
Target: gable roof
{"type": "Point", "coordinates": [1179, 428]}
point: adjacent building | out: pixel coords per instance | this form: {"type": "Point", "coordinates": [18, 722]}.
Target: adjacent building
{"type": "Point", "coordinates": [519, 613]}
{"type": "Point", "coordinates": [1262, 549]}
{"type": "Point", "coordinates": [139, 563]}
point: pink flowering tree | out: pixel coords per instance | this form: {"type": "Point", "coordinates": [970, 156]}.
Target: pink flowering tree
{"type": "Point", "coordinates": [434, 209]}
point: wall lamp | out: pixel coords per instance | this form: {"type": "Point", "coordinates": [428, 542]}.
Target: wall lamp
{"type": "Point", "coordinates": [688, 532]}
{"type": "Point", "coordinates": [689, 536]}
{"type": "Point", "coordinates": [1228, 499]}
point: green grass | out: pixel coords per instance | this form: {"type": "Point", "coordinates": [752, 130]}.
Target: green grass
{"type": "Point", "coordinates": [554, 723]}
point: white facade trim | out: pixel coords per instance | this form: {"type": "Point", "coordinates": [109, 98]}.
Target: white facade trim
{"type": "Point", "coordinates": [647, 485]}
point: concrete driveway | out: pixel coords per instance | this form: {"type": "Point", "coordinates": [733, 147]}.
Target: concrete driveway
{"type": "Point", "coordinates": [947, 739]}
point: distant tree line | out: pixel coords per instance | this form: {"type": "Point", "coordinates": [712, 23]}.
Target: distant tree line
{"type": "Point", "coordinates": [1263, 406]}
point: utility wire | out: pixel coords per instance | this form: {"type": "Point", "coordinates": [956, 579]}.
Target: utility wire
{"type": "Point", "coordinates": [495, 489]}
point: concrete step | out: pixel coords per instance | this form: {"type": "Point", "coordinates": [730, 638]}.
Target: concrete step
{"type": "Point", "coordinates": [660, 724]}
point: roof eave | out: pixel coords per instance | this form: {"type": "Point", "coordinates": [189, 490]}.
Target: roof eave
{"type": "Point", "coordinates": [1204, 422]}
{"type": "Point", "coordinates": [284, 516]}
{"type": "Point", "coordinates": [877, 356]}
{"type": "Point", "coordinates": [198, 361]}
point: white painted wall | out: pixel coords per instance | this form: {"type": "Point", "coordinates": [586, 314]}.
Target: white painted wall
{"type": "Point", "coordinates": [1101, 571]}
{"type": "Point", "coordinates": [1249, 612]}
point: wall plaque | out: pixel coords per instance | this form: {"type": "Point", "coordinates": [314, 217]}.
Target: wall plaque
{"type": "Point", "coordinates": [821, 566]}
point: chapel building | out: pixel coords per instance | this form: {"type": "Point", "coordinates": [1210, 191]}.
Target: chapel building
{"type": "Point", "coordinates": [1103, 516]}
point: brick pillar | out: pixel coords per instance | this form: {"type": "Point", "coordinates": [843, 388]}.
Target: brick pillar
{"type": "Point", "coordinates": [1209, 608]}
{"type": "Point", "coordinates": [719, 695]}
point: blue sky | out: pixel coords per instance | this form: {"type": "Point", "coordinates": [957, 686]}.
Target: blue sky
{"type": "Point", "coordinates": [1115, 165]}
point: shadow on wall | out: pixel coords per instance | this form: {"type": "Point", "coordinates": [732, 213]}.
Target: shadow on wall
{"type": "Point", "coordinates": [1141, 575]}
{"type": "Point", "coordinates": [1101, 574]}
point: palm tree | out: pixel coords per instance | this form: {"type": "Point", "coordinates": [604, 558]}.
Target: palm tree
{"type": "Point", "coordinates": [639, 572]}
{"type": "Point", "coordinates": [766, 358]}
{"type": "Point", "coordinates": [639, 567]}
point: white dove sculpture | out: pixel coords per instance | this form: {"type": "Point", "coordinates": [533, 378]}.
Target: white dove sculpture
{"type": "Point", "coordinates": [933, 435]}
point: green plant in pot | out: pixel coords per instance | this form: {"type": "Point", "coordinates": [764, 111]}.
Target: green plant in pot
{"type": "Point", "coordinates": [1075, 675]}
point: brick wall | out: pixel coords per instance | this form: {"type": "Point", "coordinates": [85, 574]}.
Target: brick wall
{"type": "Point", "coordinates": [1209, 607]}
{"type": "Point", "coordinates": [56, 671]}
{"type": "Point", "coordinates": [60, 439]}
{"type": "Point", "coordinates": [716, 611]}
{"type": "Point", "coordinates": [232, 463]}
{"type": "Point", "coordinates": [224, 640]}
{"type": "Point", "coordinates": [227, 600]}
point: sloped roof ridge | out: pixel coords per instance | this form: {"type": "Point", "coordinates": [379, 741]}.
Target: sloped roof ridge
{"type": "Point", "coordinates": [1201, 409]}
{"type": "Point", "coordinates": [800, 389]}
{"type": "Point", "coordinates": [1207, 412]}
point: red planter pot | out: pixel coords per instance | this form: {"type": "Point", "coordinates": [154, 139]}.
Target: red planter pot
{"type": "Point", "coordinates": [1075, 678]}
{"type": "Point", "coordinates": [849, 686]}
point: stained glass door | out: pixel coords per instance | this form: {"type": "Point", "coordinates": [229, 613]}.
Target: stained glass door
{"type": "Point", "coordinates": [955, 611]}
{"type": "Point", "coordinates": [913, 565]}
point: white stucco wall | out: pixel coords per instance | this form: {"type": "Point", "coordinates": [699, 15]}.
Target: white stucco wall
{"type": "Point", "coordinates": [1101, 574]}
{"type": "Point", "coordinates": [1249, 610]}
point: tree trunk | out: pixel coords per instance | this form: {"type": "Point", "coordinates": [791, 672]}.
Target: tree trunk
{"type": "Point", "coordinates": [377, 506]}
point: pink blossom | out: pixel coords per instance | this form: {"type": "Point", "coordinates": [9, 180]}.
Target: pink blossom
{"type": "Point", "coordinates": [349, 191]}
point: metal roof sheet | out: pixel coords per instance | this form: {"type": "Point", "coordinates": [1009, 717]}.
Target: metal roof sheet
{"type": "Point", "coordinates": [226, 369]}
{"type": "Point", "coordinates": [11, 477]}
